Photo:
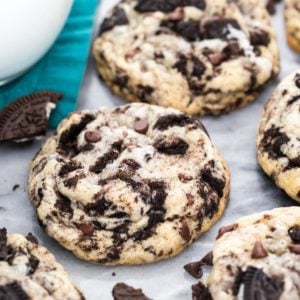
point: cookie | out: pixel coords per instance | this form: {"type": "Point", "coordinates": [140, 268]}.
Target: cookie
{"type": "Point", "coordinates": [278, 138]}
{"type": "Point", "coordinates": [29, 271]}
{"type": "Point", "coordinates": [203, 57]}
{"type": "Point", "coordinates": [292, 22]}
{"type": "Point", "coordinates": [128, 185]}
{"type": "Point", "coordinates": [259, 258]}
{"type": "Point", "coordinates": [27, 117]}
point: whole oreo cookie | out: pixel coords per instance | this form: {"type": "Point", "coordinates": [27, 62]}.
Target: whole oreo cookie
{"type": "Point", "coordinates": [30, 272]}
{"type": "Point", "coordinates": [278, 138]}
{"type": "Point", "coordinates": [27, 117]}
{"type": "Point", "coordinates": [259, 259]}
{"type": "Point", "coordinates": [128, 185]}
{"type": "Point", "coordinates": [200, 56]}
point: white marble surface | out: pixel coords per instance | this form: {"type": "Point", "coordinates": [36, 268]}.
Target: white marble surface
{"type": "Point", "coordinates": [251, 190]}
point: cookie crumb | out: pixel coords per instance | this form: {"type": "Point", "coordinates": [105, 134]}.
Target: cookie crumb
{"type": "Point", "coordinates": [15, 187]}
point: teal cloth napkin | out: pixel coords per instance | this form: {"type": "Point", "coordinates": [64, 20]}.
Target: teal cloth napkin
{"type": "Point", "coordinates": [62, 68]}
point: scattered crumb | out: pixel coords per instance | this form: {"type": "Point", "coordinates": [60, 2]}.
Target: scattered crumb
{"type": "Point", "coordinates": [15, 187]}
{"type": "Point", "coordinates": [113, 274]}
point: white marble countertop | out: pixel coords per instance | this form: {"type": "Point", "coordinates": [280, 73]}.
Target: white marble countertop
{"type": "Point", "coordinates": [251, 190]}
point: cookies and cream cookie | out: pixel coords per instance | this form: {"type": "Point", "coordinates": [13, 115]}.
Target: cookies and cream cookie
{"type": "Point", "coordinates": [128, 185]}
{"type": "Point", "coordinates": [292, 22]}
{"type": "Point", "coordinates": [203, 57]}
{"type": "Point", "coordinates": [29, 271]}
{"type": "Point", "coordinates": [278, 138]}
{"type": "Point", "coordinates": [258, 257]}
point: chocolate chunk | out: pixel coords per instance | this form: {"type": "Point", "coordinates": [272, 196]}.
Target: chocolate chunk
{"type": "Point", "coordinates": [226, 229]}
{"type": "Point", "coordinates": [259, 251]}
{"type": "Point", "coordinates": [26, 117]}
{"type": "Point", "coordinates": [122, 291]}
{"type": "Point", "coordinates": [293, 163]}
{"type": "Point", "coordinates": [64, 205]}
{"type": "Point", "coordinates": [92, 136]}
{"type": "Point", "coordinates": [165, 122]}
{"type": "Point", "coordinates": [141, 126]}
{"type": "Point", "coordinates": [272, 142]}
{"type": "Point", "coordinates": [195, 268]}
{"type": "Point", "coordinates": [190, 30]}
{"type": "Point", "coordinates": [31, 238]}
{"type": "Point", "coordinates": [294, 233]}
{"type": "Point", "coordinates": [257, 285]}
{"type": "Point", "coordinates": [259, 38]}
{"type": "Point", "coordinates": [144, 92]}
{"type": "Point", "coordinates": [12, 291]}
{"type": "Point", "coordinates": [32, 265]}
{"type": "Point", "coordinates": [167, 6]}
{"type": "Point", "coordinates": [216, 184]}
{"type": "Point", "coordinates": [87, 229]}
{"type": "Point", "coordinates": [185, 232]}
{"type": "Point", "coordinates": [297, 80]}
{"type": "Point", "coordinates": [121, 80]}
{"type": "Point", "coordinates": [172, 146]}
{"type": "Point", "coordinates": [68, 139]}
{"type": "Point", "coordinates": [295, 248]}
{"type": "Point", "coordinates": [200, 292]}
{"type": "Point", "coordinates": [107, 158]}
{"type": "Point", "coordinates": [117, 18]}
{"type": "Point", "coordinates": [218, 28]}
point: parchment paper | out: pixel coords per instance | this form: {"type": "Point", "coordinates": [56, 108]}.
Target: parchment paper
{"type": "Point", "coordinates": [251, 190]}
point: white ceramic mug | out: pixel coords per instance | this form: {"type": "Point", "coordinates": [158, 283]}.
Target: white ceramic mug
{"type": "Point", "coordinates": [28, 28]}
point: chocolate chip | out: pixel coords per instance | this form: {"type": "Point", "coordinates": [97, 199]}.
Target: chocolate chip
{"type": "Point", "coordinates": [87, 229]}
{"type": "Point", "coordinates": [195, 268]}
{"type": "Point", "coordinates": [259, 38]}
{"type": "Point", "coordinates": [200, 292]}
{"type": "Point", "coordinates": [259, 251]}
{"type": "Point", "coordinates": [257, 285]}
{"type": "Point", "coordinates": [185, 232]}
{"type": "Point", "coordinates": [122, 291]}
{"type": "Point", "coordinates": [13, 291]}
{"type": "Point", "coordinates": [141, 126]}
{"type": "Point", "coordinates": [295, 248]}
{"type": "Point", "coordinates": [171, 146]}
{"type": "Point", "coordinates": [26, 117]}
{"type": "Point", "coordinates": [117, 18]}
{"type": "Point", "coordinates": [165, 122]}
{"type": "Point", "coordinates": [297, 80]}
{"type": "Point", "coordinates": [184, 178]}
{"type": "Point", "coordinates": [92, 136]}
{"type": "Point", "coordinates": [31, 238]}
{"type": "Point", "coordinates": [226, 229]}
{"type": "Point", "coordinates": [217, 58]}
{"type": "Point", "coordinates": [219, 28]}
{"type": "Point", "coordinates": [294, 233]}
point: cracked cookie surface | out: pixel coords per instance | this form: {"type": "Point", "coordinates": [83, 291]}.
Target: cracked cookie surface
{"type": "Point", "coordinates": [203, 57]}
{"type": "Point", "coordinates": [278, 138]}
{"type": "Point", "coordinates": [128, 185]}
{"type": "Point", "coordinates": [30, 272]}
{"type": "Point", "coordinates": [259, 258]}
{"type": "Point", "coordinates": [292, 22]}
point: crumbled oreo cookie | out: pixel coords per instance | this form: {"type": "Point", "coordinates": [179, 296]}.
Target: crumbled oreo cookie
{"type": "Point", "coordinates": [122, 291]}
{"type": "Point", "coordinates": [27, 117]}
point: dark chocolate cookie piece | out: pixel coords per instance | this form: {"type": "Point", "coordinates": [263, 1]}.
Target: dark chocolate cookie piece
{"type": "Point", "coordinates": [26, 117]}
{"type": "Point", "coordinates": [122, 291]}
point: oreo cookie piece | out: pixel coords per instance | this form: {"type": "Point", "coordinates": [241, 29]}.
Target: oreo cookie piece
{"type": "Point", "coordinates": [27, 117]}
{"type": "Point", "coordinates": [122, 291]}
{"type": "Point", "coordinates": [131, 185]}
{"type": "Point", "coordinates": [257, 260]}
{"type": "Point", "coordinates": [30, 272]}
{"type": "Point", "coordinates": [200, 56]}
{"type": "Point", "coordinates": [278, 138]}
